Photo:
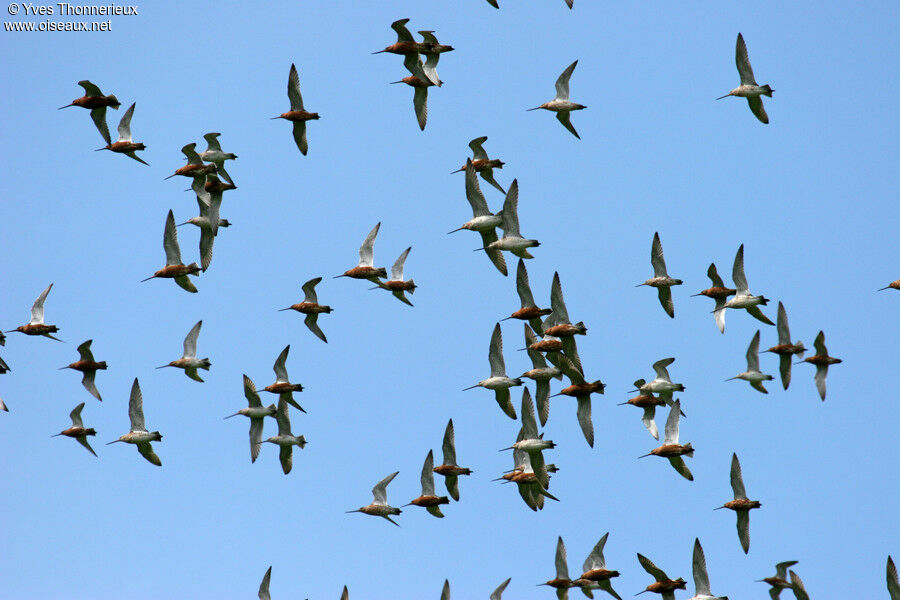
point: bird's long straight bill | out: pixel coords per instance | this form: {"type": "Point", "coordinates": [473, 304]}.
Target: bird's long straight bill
{"type": "Point", "coordinates": [461, 228]}
{"type": "Point", "coordinates": [471, 387]}
{"type": "Point", "coordinates": [643, 455]}
{"type": "Point", "coordinates": [113, 442]}
{"type": "Point", "coordinates": [725, 96]}
{"type": "Point", "coordinates": [229, 416]}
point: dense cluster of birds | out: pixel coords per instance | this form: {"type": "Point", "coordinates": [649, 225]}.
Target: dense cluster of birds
{"type": "Point", "coordinates": [549, 333]}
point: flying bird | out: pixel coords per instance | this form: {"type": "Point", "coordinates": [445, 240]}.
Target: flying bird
{"type": "Point", "coordinates": [670, 448]}
{"type": "Point", "coordinates": [701, 577]}
{"type": "Point", "coordinates": [96, 102]}
{"type": "Point", "coordinates": [78, 431]}
{"type": "Point", "coordinates": [379, 506]}
{"type": "Point", "coordinates": [283, 386]}
{"type": "Point", "coordinates": [174, 268]}
{"type": "Point", "coordinates": [428, 499]}
{"type": "Point", "coordinates": [311, 308]}
{"type": "Point", "coordinates": [595, 575]}
{"type": "Point", "coordinates": [663, 585]}
{"type": "Point", "coordinates": [753, 374]}
{"type": "Point", "coordinates": [285, 440]}
{"type": "Point", "coordinates": [297, 115]}
{"type": "Point", "coordinates": [396, 284]}
{"type": "Point", "coordinates": [124, 145]}
{"type": "Point", "coordinates": [482, 164]}
{"type": "Point", "coordinates": [661, 280]}
{"type": "Point", "coordinates": [87, 365]}
{"type": "Point", "coordinates": [749, 89]}
{"type": "Point", "coordinates": [779, 581]}
{"type": "Point", "coordinates": [717, 292]}
{"type": "Point", "coordinates": [743, 298]}
{"type": "Point", "coordinates": [256, 412]}
{"type": "Point", "coordinates": [740, 505]}
{"type": "Point", "coordinates": [365, 270]}
{"type": "Point", "coordinates": [498, 381]}
{"type": "Point", "coordinates": [785, 349]}
{"type": "Point", "coordinates": [449, 469]}
{"type": "Point", "coordinates": [139, 434]}
{"type": "Point", "coordinates": [561, 104]}
{"type": "Point", "coordinates": [821, 360]}
{"type": "Point", "coordinates": [215, 155]}
{"type": "Point", "coordinates": [483, 221]}
{"type": "Point", "coordinates": [189, 361]}
{"type": "Point", "coordinates": [37, 326]}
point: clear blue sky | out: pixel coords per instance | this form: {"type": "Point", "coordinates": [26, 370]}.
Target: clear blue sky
{"type": "Point", "coordinates": [812, 196]}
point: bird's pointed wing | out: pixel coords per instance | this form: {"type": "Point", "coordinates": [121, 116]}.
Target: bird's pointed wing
{"type": "Point", "coordinates": [136, 407]}
{"type": "Point", "coordinates": [757, 385]}
{"type": "Point", "coordinates": [753, 353]}
{"type": "Point", "coordinates": [98, 116]}
{"type": "Point", "coordinates": [84, 442]}
{"type": "Point", "coordinates": [309, 290]}
{"type": "Point", "coordinates": [281, 374]}
{"type": "Point", "coordinates": [488, 175]}
{"type": "Point", "coordinates": [89, 88]}
{"type": "Point", "coordinates": [379, 492]}
{"type": "Point", "coordinates": [87, 380]}
{"type": "Point", "coordinates": [678, 463]}
{"type": "Point", "coordinates": [497, 593]}
{"type": "Point", "coordinates": [478, 152]}
{"type": "Point", "coordinates": [542, 397]}
{"type": "Point", "coordinates": [784, 334]}
{"type": "Point", "coordinates": [562, 569]}
{"type": "Point", "coordinates": [529, 423]}
{"type": "Point", "coordinates": [784, 366]}
{"type": "Point", "coordinates": [256, 429]}
{"type": "Point", "coordinates": [665, 299]}
{"type": "Point", "coordinates": [147, 452]}
{"type": "Point", "coordinates": [207, 240]}
{"type": "Point", "coordinates": [311, 322]}
{"type": "Point", "coordinates": [656, 257]}
{"type": "Point", "coordinates": [449, 444]}
{"type": "Point", "coordinates": [495, 256]}
{"type": "Point", "coordinates": [595, 559]}
{"type": "Point", "coordinates": [742, 60]}
{"type": "Point", "coordinates": [564, 117]}
{"type": "Point", "coordinates": [671, 433]}
{"type": "Point", "coordinates": [893, 584]}
{"type": "Point", "coordinates": [737, 273]}
{"type": "Point", "coordinates": [821, 373]}
{"type": "Point", "coordinates": [737, 481]}
{"type": "Point", "coordinates": [719, 314]}
{"type": "Point", "coordinates": [283, 417]}
{"type": "Point", "coordinates": [660, 368]}
{"type": "Point", "coordinates": [190, 151]}
{"type": "Point", "coordinates": [818, 344]}
{"type": "Point", "coordinates": [251, 394]}
{"type": "Point", "coordinates": [212, 141]}
{"type": "Point", "coordinates": [75, 415]}
{"type": "Point", "coordinates": [84, 351]}
{"type": "Point", "coordinates": [562, 83]}
{"type": "Point", "coordinates": [37, 309]}
{"type": "Point", "coordinates": [190, 340]}
{"type": "Point", "coordinates": [193, 374]}
{"type": "Point", "coordinates": [713, 275]}
{"type": "Point", "coordinates": [183, 282]}
{"type": "Point", "coordinates": [524, 289]}
{"type": "Point", "coordinates": [125, 125]}
{"type": "Point", "coordinates": [264, 585]}
{"type": "Point", "coordinates": [557, 304]}
{"type": "Point", "coordinates": [299, 131]}
{"type": "Point", "coordinates": [701, 577]}
{"type": "Point", "coordinates": [652, 569]}
{"type": "Point", "coordinates": [743, 528]}
{"type": "Point", "coordinates": [505, 403]}
{"type": "Point", "coordinates": [510, 212]}
{"type": "Point", "coordinates": [403, 34]}
{"type": "Point", "coordinates": [136, 157]}
{"type": "Point", "coordinates": [286, 457]}
{"type": "Point", "coordinates": [758, 315]}
{"type": "Point", "coordinates": [420, 105]}
{"type": "Point", "coordinates": [798, 587]}
{"type": "Point", "coordinates": [584, 418]}
{"type": "Point", "coordinates": [473, 192]}
{"type": "Point", "coordinates": [397, 267]}
{"type": "Point", "coordinates": [293, 89]}
{"type": "Point", "coordinates": [367, 250]}
{"type": "Point", "coordinates": [452, 483]}
{"type": "Point", "coordinates": [782, 567]}
{"type": "Point", "coordinates": [427, 477]}
{"type": "Point", "coordinates": [648, 420]}
{"type": "Point", "coordinates": [170, 241]}
{"type": "Point", "coordinates": [495, 353]}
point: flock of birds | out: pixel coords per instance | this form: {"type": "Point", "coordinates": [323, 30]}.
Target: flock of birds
{"type": "Point", "coordinates": [549, 333]}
